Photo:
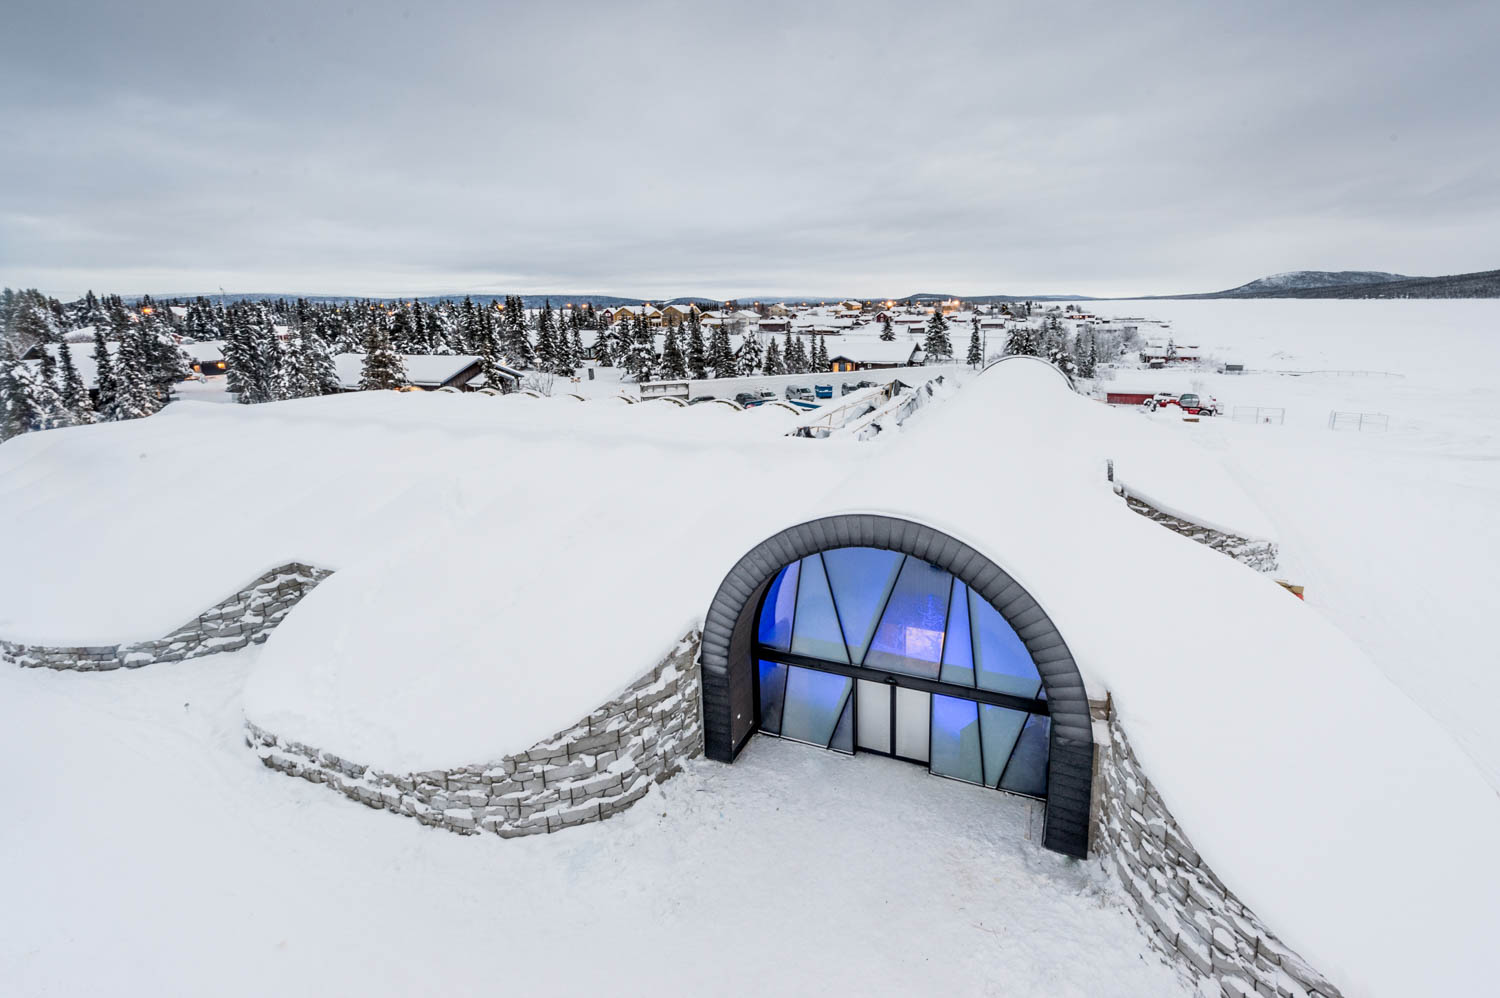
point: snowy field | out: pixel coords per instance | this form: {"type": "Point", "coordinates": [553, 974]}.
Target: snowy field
{"type": "Point", "coordinates": [1394, 533]}
{"type": "Point", "coordinates": [150, 853]}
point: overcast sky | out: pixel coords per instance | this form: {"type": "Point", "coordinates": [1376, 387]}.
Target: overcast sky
{"type": "Point", "coordinates": [742, 149]}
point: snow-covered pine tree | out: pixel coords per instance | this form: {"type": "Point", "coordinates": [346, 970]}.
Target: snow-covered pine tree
{"type": "Point", "coordinates": [383, 367]}
{"type": "Point", "coordinates": [750, 355]}
{"type": "Point", "coordinates": [318, 373]}
{"type": "Point", "coordinates": [1085, 354]}
{"type": "Point", "coordinates": [673, 363]}
{"type": "Point", "coordinates": [104, 373]}
{"type": "Point", "coordinates": [887, 331]}
{"type": "Point", "coordinates": [720, 354]}
{"type": "Point", "coordinates": [47, 393]}
{"type": "Point", "coordinates": [937, 346]}
{"type": "Point", "coordinates": [697, 350]}
{"type": "Point", "coordinates": [772, 364]}
{"type": "Point", "coordinates": [517, 341]}
{"type": "Point", "coordinates": [548, 354]}
{"type": "Point", "coordinates": [17, 407]}
{"type": "Point", "coordinates": [640, 360]}
{"type": "Point", "coordinates": [575, 348]}
{"type": "Point", "coordinates": [1022, 341]}
{"type": "Point", "coordinates": [288, 383]}
{"type": "Point", "coordinates": [135, 395]}
{"type": "Point", "coordinates": [976, 351]}
{"type": "Point", "coordinates": [75, 396]}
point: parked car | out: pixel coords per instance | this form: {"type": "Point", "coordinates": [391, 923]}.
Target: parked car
{"type": "Point", "coordinates": [700, 398]}
{"type": "Point", "coordinates": [1196, 405]}
{"type": "Point", "coordinates": [799, 392]}
{"type": "Point", "coordinates": [823, 391]}
{"type": "Point", "coordinates": [749, 399]}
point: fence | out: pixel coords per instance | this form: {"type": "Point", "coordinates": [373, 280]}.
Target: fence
{"type": "Point", "coordinates": [1359, 421]}
{"type": "Point", "coordinates": [1258, 414]}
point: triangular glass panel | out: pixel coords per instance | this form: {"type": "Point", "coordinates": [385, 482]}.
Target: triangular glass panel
{"type": "Point", "coordinates": [1027, 772]}
{"type": "Point", "coordinates": [861, 580]}
{"type": "Point", "coordinates": [775, 630]}
{"type": "Point", "coordinates": [999, 727]}
{"type": "Point", "coordinates": [1001, 661]}
{"type": "Point", "coordinates": [909, 639]}
{"type": "Point", "coordinates": [958, 649]}
{"type": "Point", "coordinates": [816, 631]}
{"type": "Point", "coordinates": [843, 732]}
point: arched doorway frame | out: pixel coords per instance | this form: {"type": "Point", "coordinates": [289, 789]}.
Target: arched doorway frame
{"type": "Point", "coordinates": [729, 632]}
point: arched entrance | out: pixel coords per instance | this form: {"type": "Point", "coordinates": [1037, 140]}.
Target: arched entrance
{"type": "Point", "coordinates": [870, 633]}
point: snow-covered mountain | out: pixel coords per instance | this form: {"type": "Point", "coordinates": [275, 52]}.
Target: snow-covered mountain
{"type": "Point", "coordinates": [1299, 280]}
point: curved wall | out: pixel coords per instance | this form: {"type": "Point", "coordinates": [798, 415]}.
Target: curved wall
{"type": "Point", "coordinates": [728, 686]}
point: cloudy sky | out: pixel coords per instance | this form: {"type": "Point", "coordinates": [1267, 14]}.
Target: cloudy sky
{"type": "Point", "coordinates": [752, 148]}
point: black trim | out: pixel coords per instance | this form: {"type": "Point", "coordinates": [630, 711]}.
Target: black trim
{"type": "Point", "coordinates": [902, 679]}
{"type": "Point", "coordinates": [727, 662]}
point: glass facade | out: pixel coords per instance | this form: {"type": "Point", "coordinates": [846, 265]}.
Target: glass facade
{"type": "Point", "coordinates": [900, 622]}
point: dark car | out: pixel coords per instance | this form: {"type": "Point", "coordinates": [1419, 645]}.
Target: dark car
{"type": "Point", "coordinates": [700, 398]}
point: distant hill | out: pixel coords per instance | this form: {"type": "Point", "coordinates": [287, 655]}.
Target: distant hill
{"type": "Point", "coordinates": [1302, 280]}
{"type": "Point", "coordinates": [1480, 284]}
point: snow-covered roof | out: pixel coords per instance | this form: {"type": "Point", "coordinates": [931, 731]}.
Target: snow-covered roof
{"type": "Point", "coordinates": [201, 350]}
{"type": "Point", "coordinates": [421, 369]}
{"type": "Point", "coordinates": [504, 565]}
{"type": "Point", "coordinates": [869, 350]}
{"type": "Point", "coordinates": [83, 359]}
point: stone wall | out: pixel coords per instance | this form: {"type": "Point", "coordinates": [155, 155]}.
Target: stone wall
{"type": "Point", "coordinates": [1259, 555]}
{"type": "Point", "coordinates": [248, 616]}
{"type": "Point", "coordinates": [1189, 915]}
{"type": "Point", "coordinates": [587, 772]}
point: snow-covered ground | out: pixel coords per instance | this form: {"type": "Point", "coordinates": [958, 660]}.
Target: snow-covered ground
{"type": "Point", "coordinates": [147, 852]}
{"type": "Point", "coordinates": [1394, 533]}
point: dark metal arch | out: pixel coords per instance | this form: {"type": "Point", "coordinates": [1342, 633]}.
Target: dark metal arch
{"type": "Point", "coordinates": [728, 685]}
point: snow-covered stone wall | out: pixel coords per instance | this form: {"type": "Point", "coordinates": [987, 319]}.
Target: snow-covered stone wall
{"type": "Point", "coordinates": [1259, 555]}
{"type": "Point", "coordinates": [587, 772]}
{"type": "Point", "coordinates": [248, 616]}
{"type": "Point", "coordinates": [1186, 911]}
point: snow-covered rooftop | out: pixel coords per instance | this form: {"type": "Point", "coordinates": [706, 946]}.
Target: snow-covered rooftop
{"type": "Point", "coordinates": [503, 565]}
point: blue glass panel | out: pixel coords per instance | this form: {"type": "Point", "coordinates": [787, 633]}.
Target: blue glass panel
{"type": "Point", "coordinates": [1027, 772]}
{"type": "Point", "coordinates": [843, 733]}
{"type": "Point", "coordinates": [816, 631]}
{"type": "Point", "coordinates": [958, 650]}
{"type": "Point", "coordinates": [1001, 661]}
{"type": "Point", "coordinates": [814, 701]}
{"type": "Point", "coordinates": [955, 739]}
{"type": "Point", "coordinates": [861, 579]}
{"type": "Point", "coordinates": [772, 695]}
{"type": "Point", "coordinates": [999, 728]}
{"type": "Point", "coordinates": [909, 639]}
{"type": "Point", "coordinates": [776, 612]}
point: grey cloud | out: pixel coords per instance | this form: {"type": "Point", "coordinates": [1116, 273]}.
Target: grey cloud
{"type": "Point", "coordinates": [864, 148]}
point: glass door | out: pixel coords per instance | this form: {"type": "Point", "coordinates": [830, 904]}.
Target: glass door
{"type": "Point", "coordinates": [913, 723]}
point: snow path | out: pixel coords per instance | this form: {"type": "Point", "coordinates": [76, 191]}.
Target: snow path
{"type": "Point", "coordinates": [151, 853]}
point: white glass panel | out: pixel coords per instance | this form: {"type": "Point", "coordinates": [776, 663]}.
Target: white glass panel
{"type": "Point", "coordinates": [874, 716]}
{"type": "Point", "coordinates": [912, 719]}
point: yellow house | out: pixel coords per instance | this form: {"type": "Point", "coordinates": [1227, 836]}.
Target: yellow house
{"type": "Point", "coordinates": [678, 313]}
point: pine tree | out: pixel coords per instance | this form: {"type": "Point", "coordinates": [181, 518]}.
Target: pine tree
{"type": "Point", "coordinates": [383, 367]}
{"type": "Point", "coordinates": [104, 373]}
{"type": "Point", "coordinates": [51, 410]}
{"type": "Point", "coordinates": [720, 354]}
{"type": "Point", "coordinates": [1022, 341]}
{"type": "Point", "coordinates": [938, 347]}
{"type": "Point", "coordinates": [575, 349]}
{"type": "Point", "coordinates": [697, 350]}
{"type": "Point", "coordinates": [750, 355]}
{"type": "Point", "coordinates": [548, 356]}
{"type": "Point", "coordinates": [135, 395]}
{"type": "Point", "coordinates": [517, 342]}
{"type": "Point", "coordinates": [772, 364]}
{"type": "Point", "coordinates": [317, 372]}
{"type": "Point", "coordinates": [673, 363]}
{"type": "Point", "coordinates": [1085, 354]}
{"type": "Point", "coordinates": [640, 360]}
{"type": "Point", "coordinates": [75, 396]}
{"type": "Point", "coordinates": [887, 331]}
{"type": "Point", "coordinates": [17, 407]}
{"type": "Point", "coordinates": [976, 351]}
